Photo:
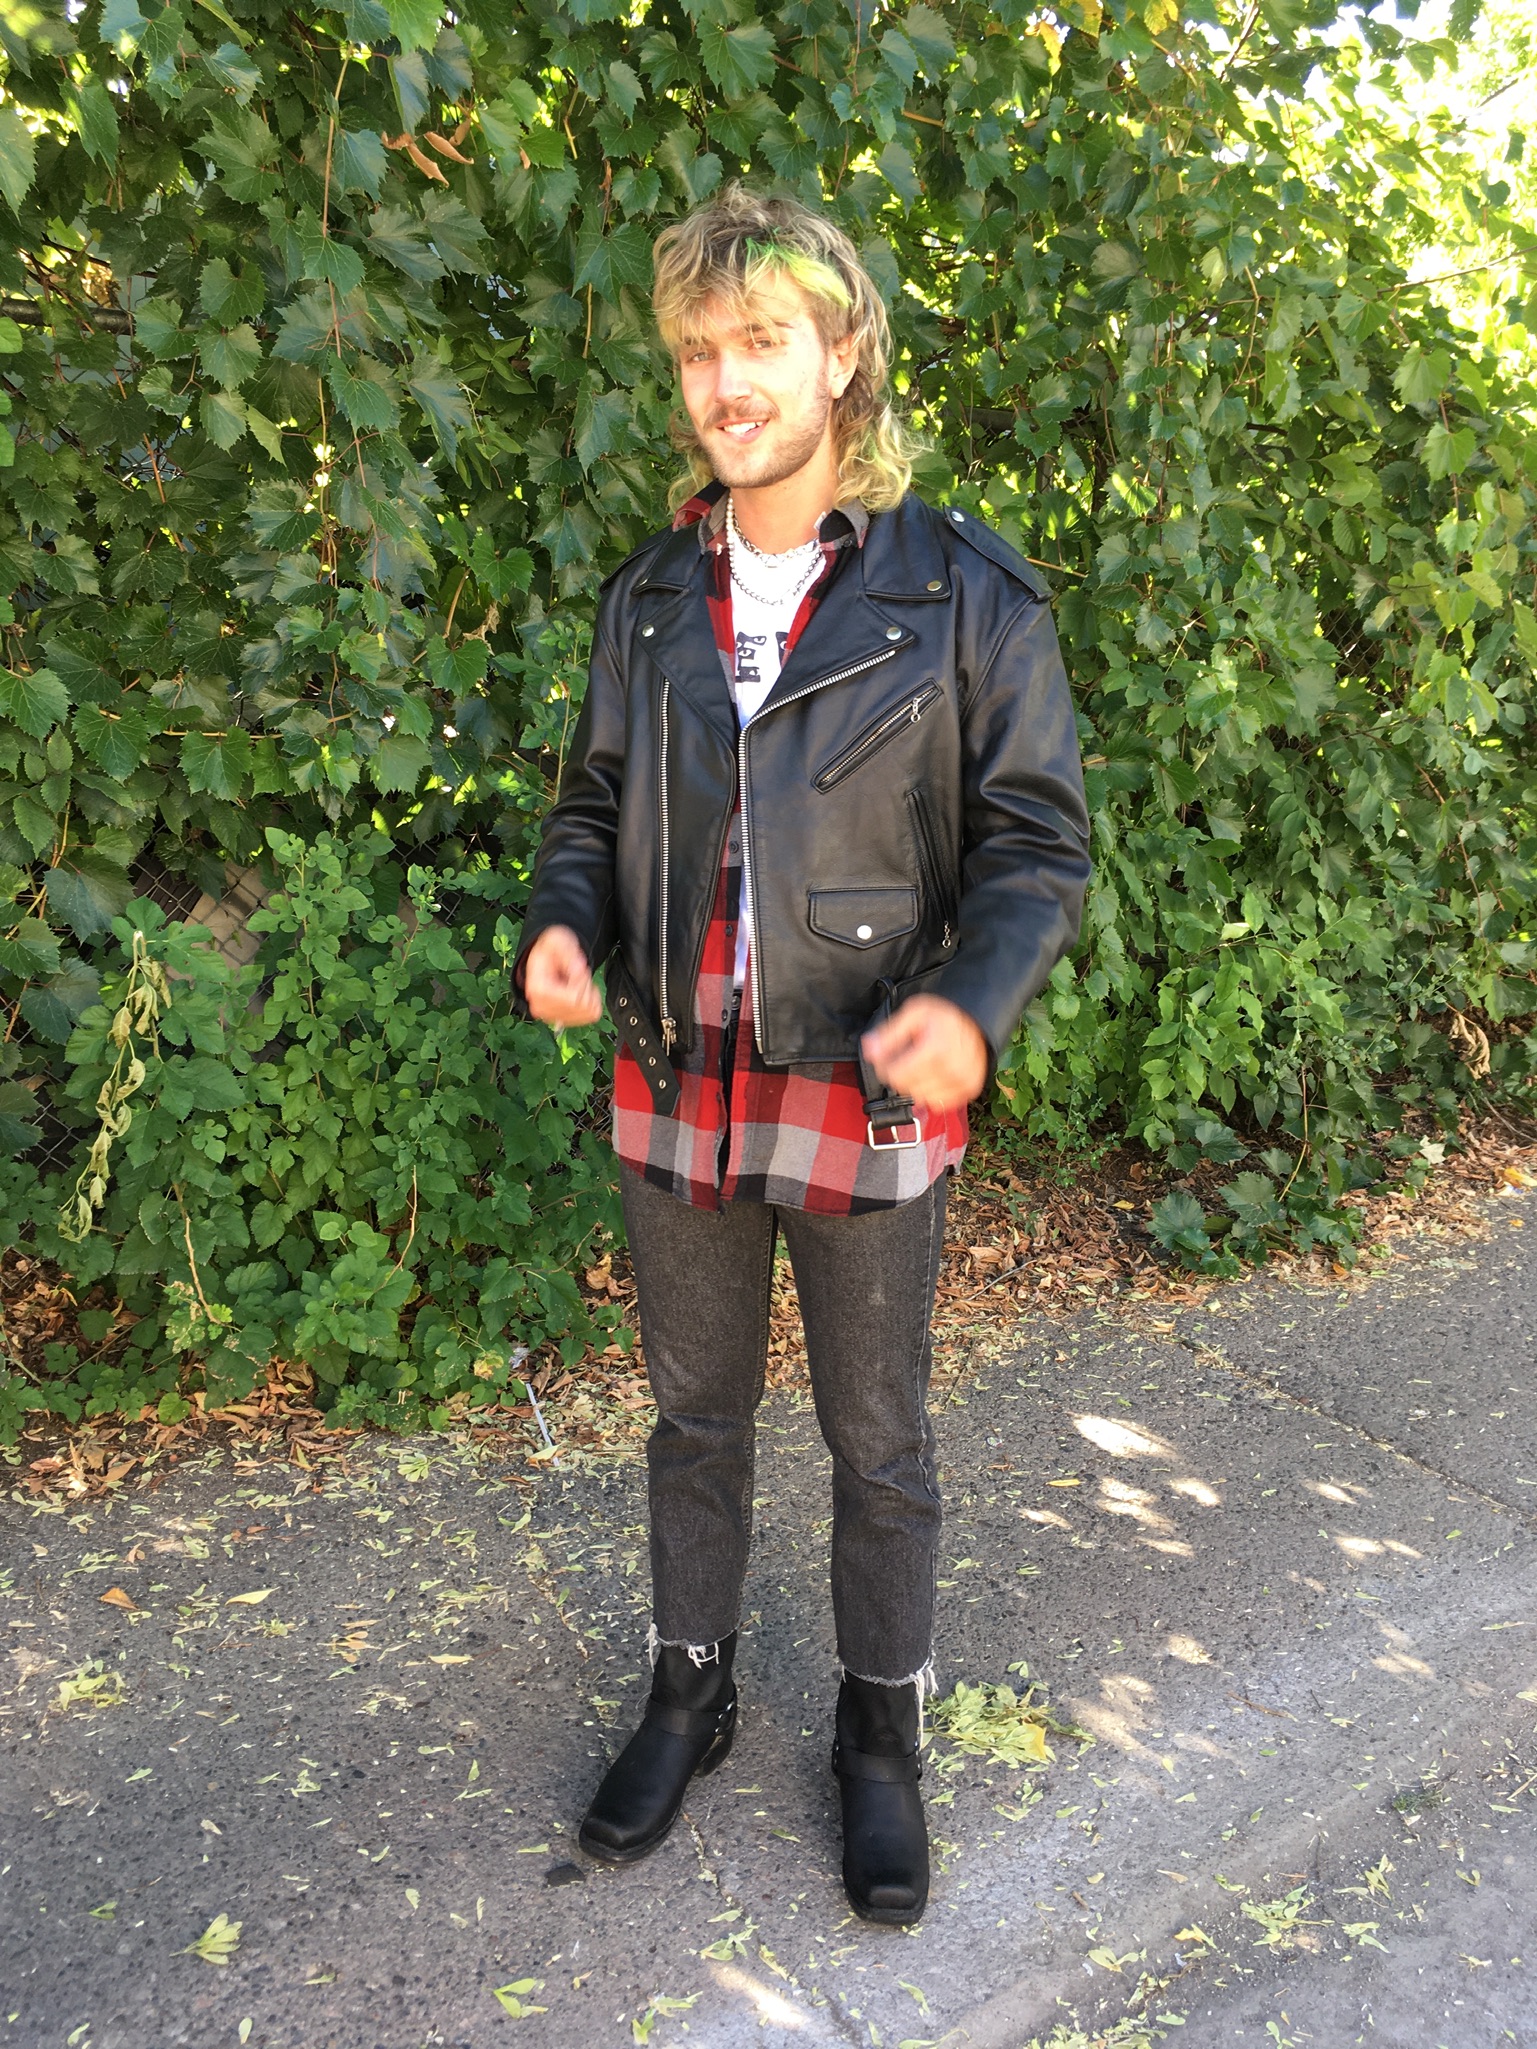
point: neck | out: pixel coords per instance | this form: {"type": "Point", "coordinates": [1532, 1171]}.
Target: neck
{"type": "Point", "coordinates": [776, 517]}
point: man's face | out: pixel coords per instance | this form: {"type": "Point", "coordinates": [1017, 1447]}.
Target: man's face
{"type": "Point", "coordinates": [760, 392]}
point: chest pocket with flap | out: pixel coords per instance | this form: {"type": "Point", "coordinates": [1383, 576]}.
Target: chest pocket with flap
{"type": "Point", "coordinates": [863, 917]}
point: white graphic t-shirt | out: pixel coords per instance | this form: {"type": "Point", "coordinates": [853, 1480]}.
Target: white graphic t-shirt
{"type": "Point", "coordinates": [761, 632]}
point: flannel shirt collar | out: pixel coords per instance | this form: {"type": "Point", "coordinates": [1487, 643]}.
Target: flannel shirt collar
{"type": "Point", "coordinates": [846, 522]}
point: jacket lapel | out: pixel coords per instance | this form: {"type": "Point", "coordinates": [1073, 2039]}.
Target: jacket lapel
{"type": "Point", "coordinates": [846, 631]}
{"type": "Point", "coordinates": [673, 604]}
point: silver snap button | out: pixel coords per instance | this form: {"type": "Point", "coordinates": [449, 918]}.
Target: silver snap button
{"type": "Point", "coordinates": [864, 932]}
{"type": "Point", "coordinates": [958, 517]}
{"type": "Point", "coordinates": [646, 632]}
{"type": "Point", "coordinates": [936, 585]}
{"type": "Point", "coordinates": [893, 633]}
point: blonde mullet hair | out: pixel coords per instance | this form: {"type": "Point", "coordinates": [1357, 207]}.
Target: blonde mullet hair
{"type": "Point", "coordinates": [720, 255]}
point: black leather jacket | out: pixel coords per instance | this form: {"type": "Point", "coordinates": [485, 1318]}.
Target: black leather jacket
{"type": "Point", "coordinates": [912, 797]}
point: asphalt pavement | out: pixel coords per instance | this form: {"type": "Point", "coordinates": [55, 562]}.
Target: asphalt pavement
{"type": "Point", "coordinates": [1274, 1559]}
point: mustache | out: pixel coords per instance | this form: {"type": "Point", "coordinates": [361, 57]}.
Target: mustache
{"type": "Point", "coordinates": [723, 416]}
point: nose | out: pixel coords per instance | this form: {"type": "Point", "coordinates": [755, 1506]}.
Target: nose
{"type": "Point", "coordinates": [732, 382]}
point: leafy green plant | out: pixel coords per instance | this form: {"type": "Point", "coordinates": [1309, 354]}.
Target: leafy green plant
{"type": "Point", "coordinates": [349, 1153]}
{"type": "Point", "coordinates": [327, 395]}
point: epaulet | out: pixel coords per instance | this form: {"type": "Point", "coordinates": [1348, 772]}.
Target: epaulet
{"type": "Point", "coordinates": [967, 527]}
{"type": "Point", "coordinates": [647, 547]}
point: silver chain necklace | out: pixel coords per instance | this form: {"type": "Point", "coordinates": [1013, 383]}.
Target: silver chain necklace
{"type": "Point", "coordinates": [738, 545]}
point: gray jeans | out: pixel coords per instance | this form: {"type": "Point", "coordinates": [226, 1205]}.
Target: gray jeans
{"type": "Point", "coordinates": [866, 1287]}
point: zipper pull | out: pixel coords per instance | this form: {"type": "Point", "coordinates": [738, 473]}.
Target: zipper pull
{"type": "Point", "coordinates": [945, 936]}
{"type": "Point", "coordinates": [669, 1034]}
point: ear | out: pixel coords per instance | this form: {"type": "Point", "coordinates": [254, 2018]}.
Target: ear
{"type": "Point", "coordinates": [845, 355]}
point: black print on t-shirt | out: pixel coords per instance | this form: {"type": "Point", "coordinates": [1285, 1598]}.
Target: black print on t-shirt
{"type": "Point", "coordinates": [747, 670]}
{"type": "Point", "coordinates": [746, 660]}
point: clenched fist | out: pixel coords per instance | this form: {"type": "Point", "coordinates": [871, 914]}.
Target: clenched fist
{"type": "Point", "coordinates": [557, 980]}
{"type": "Point", "coordinates": [930, 1051]}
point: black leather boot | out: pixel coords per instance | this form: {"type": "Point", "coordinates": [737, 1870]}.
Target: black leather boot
{"type": "Point", "coordinates": [686, 1732]}
{"type": "Point", "coordinates": [885, 1836]}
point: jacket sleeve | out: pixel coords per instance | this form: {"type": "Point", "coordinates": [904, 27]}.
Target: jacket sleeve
{"type": "Point", "coordinates": [574, 872]}
{"type": "Point", "coordinates": [1025, 831]}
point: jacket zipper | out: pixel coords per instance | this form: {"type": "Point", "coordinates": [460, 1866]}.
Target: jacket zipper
{"type": "Point", "coordinates": [669, 1023]}
{"type": "Point", "coordinates": [928, 861]}
{"type": "Point", "coordinates": [875, 737]}
{"type": "Point", "coordinates": [838, 676]}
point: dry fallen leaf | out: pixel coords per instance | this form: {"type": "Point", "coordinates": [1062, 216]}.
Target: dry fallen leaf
{"type": "Point", "coordinates": [116, 1598]}
{"type": "Point", "coordinates": [251, 1600]}
{"type": "Point", "coordinates": [451, 1658]}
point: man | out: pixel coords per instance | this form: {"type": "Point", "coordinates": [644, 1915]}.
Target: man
{"type": "Point", "coordinates": [824, 820]}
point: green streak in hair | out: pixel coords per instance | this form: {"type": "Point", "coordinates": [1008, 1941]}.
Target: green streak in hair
{"type": "Point", "coordinates": [816, 278]}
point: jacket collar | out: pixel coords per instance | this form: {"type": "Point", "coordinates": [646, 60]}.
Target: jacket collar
{"type": "Point", "coordinates": [899, 551]}
{"type": "Point", "coordinates": [899, 562]}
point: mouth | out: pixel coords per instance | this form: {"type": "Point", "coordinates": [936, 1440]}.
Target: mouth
{"type": "Point", "coordinates": [741, 431]}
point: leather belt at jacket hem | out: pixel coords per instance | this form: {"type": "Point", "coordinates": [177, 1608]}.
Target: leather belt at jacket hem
{"type": "Point", "coordinates": [886, 1112]}
{"type": "Point", "coordinates": [643, 1038]}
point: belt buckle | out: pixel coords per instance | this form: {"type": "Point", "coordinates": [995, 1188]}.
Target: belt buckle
{"type": "Point", "coordinates": [895, 1145]}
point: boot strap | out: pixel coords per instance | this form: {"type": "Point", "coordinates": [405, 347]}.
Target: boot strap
{"type": "Point", "coordinates": [687, 1721]}
{"type": "Point", "coordinates": [891, 1771]}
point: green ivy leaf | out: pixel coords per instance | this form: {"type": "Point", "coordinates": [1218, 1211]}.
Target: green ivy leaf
{"type": "Point", "coordinates": [35, 702]}
{"type": "Point", "coordinates": [930, 37]}
{"type": "Point", "coordinates": [1448, 450]}
{"type": "Point", "coordinates": [737, 59]}
{"type": "Point", "coordinates": [457, 669]}
{"type": "Point", "coordinates": [365, 398]}
{"type": "Point", "coordinates": [29, 950]}
{"type": "Point", "coordinates": [87, 892]}
{"type": "Point", "coordinates": [622, 258]}
{"type": "Point", "coordinates": [401, 239]}
{"type": "Point", "coordinates": [18, 156]}
{"type": "Point", "coordinates": [117, 740]}
{"type": "Point", "coordinates": [624, 88]}
{"type": "Point", "coordinates": [53, 1008]}
{"type": "Point", "coordinates": [95, 115]}
{"type": "Point", "coordinates": [231, 358]}
{"type": "Point", "coordinates": [1421, 378]}
{"type": "Point", "coordinates": [223, 417]}
{"type": "Point", "coordinates": [413, 23]}
{"type": "Point", "coordinates": [398, 763]}
{"type": "Point", "coordinates": [360, 164]}
{"type": "Point", "coordinates": [443, 401]}
{"type": "Point", "coordinates": [219, 763]}
{"type": "Point", "coordinates": [1178, 1222]}
{"type": "Point", "coordinates": [228, 296]}
{"type": "Point", "coordinates": [601, 418]}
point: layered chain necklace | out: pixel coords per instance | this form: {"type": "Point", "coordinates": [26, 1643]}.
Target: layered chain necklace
{"type": "Point", "coordinates": [739, 549]}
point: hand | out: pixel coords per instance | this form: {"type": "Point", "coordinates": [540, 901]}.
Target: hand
{"type": "Point", "coordinates": [931, 1051]}
{"type": "Point", "coordinates": [557, 980]}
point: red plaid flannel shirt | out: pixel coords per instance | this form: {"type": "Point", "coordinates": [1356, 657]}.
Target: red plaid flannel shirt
{"type": "Point", "coordinates": [794, 1136]}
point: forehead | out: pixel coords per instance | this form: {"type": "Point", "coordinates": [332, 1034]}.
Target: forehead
{"type": "Point", "coordinates": [777, 302]}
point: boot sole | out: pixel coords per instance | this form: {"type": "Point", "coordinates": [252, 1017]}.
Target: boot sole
{"type": "Point", "coordinates": [887, 1917]}
{"type": "Point", "coordinates": [605, 1853]}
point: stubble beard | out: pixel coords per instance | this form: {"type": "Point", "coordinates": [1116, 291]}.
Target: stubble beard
{"type": "Point", "coordinates": [754, 467]}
